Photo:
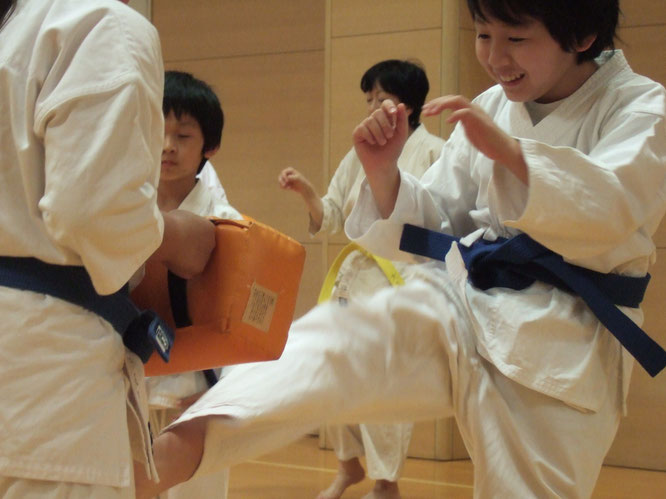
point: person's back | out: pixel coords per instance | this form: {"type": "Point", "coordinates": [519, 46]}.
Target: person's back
{"type": "Point", "coordinates": [74, 76]}
{"type": "Point", "coordinates": [81, 91]}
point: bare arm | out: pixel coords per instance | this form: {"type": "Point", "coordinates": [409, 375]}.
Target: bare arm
{"type": "Point", "coordinates": [293, 180]}
{"type": "Point", "coordinates": [187, 243]}
{"type": "Point", "coordinates": [378, 141]}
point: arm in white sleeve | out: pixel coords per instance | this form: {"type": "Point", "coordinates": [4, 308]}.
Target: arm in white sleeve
{"type": "Point", "coordinates": [442, 200]}
{"type": "Point", "coordinates": [604, 205]}
{"type": "Point", "coordinates": [102, 127]}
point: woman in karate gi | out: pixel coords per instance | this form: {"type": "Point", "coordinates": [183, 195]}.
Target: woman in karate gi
{"type": "Point", "coordinates": [384, 445]}
{"type": "Point", "coordinates": [80, 142]}
{"type": "Point", "coordinates": [569, 148]}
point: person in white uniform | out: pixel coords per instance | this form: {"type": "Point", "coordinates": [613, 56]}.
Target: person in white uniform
{"type": "Point", "coordinates": [569, 148]}
{"type": "Point", "coordinates": [384, 445]}
{"type": "Point", "coordinates": [80, 142]}
{"type": "Point", "coordinates": [193, 124]}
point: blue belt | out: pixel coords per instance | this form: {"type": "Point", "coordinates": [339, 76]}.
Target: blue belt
{"type": "Point", "coordinates": [181, 315]}
{"type": "Point", "coordinates": [142, 331]}
{"type": "Point", "coordinates": [518, 262]}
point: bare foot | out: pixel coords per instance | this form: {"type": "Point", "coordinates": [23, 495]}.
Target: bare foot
{"type": "Point", "coordinates": [384, 490]}
{"type": "Point", "coordinates": [349, 473]}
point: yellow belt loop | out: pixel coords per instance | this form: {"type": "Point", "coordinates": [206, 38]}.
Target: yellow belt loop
{"type": "Point", "coordinates": [385, 265]}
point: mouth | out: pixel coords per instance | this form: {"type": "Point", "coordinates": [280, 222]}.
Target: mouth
{"type": "Point", "coordinates": [510, 80]}
{"type": "Point", "coordinates": [167, 163]}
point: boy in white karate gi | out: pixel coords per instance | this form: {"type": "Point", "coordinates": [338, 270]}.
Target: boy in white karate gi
{"type": "Point", "coordinates": [384, 445]}
{"type": "Point", "coordinates": [193, 124]}
{"type": "Point", "coordinates": [569, 148]}
{"type": "Point", "coordinates": [80, 140]}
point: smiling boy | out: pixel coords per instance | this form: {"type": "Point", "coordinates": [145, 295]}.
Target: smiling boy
{"type": "Point", "coordinates": [568, 150]}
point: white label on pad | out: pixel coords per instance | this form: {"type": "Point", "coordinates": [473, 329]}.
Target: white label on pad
{"type": "Point", "coordinates": [260, 307]}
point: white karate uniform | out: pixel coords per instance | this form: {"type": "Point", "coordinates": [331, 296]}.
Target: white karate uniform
{"type": "Point", "coordinates": [80, 144]}
{"type": "Point", "coordinates": [536, 383]}
{"type": "Point", "coordinates": [207, 198]}
{"type": "Point", "coordinates": [384, 445]}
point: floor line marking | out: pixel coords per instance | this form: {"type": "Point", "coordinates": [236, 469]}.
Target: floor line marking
{"type": "Point", "coordinates": [332, 471]}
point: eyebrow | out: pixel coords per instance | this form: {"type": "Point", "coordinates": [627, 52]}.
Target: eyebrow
{"type": "Point", "coordinates": [187, 122]}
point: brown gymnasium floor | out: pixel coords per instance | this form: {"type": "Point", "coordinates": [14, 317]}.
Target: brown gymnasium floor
{"type": "Point", "coordinates": [302, 469]}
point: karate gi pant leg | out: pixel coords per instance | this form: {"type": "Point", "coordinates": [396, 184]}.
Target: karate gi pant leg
{"type": "Point", "coordinates": [383, 445]}
{"type": "Point", "coordinates": [407, 354]}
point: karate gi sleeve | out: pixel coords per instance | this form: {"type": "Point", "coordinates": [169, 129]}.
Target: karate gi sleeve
{"type": "Point", "coordinates": [442, 200]}
{"type": "Point", "coordinates": [336, 195]}
{"type": "Point", "coordinates": [100, 115]}
{"type": "Point", "coordinates": [599, 209]}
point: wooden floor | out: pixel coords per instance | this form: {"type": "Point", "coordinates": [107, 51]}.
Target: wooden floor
{"type": "Point", "coordinates": [301, 470]}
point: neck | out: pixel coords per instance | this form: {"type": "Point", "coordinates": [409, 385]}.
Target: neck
{"type": "Point", "coordinates": [172, 193]}
{"type": "Point", "coordinates": [575, 78]}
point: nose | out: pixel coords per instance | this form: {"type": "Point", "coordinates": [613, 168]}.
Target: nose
{"type": "Point", "coordinates": [497, 53]}
{"type": "Point", "coordinates": [169, 143]}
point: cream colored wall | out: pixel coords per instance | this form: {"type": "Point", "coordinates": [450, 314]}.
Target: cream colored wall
{"type": "Point", "coordinates": [641, 439]}
{"type": "Point", "coordinates": [288, 73]}
{"type": "Point", "coordinates": [265, 59]}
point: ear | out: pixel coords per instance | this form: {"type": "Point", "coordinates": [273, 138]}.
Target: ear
{"type": "Point", "coordinates": [211, 152]}
{"type": "Point", "coordinates": [408, 110]}
{"type": "Point", "coordinates": [586, 43]}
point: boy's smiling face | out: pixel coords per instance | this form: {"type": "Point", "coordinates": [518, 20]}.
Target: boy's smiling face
{"type": "Point", "coordinates": [182, 149]}
{"type": "Point", "coordinates": [528, 62]}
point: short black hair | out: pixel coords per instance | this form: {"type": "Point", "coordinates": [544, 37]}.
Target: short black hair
{"type": "Point", "coordinates": [183, 93]}
{"type": "Point", "coordinates": [569, 22]}
{"type": "Point", "coordinates": [405, 79]}
{"type": "Point", "coordinates": [6, 7]}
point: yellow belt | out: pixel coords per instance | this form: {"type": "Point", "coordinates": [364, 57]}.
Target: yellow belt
{"type": "Point", "coordinates": [385, 265]}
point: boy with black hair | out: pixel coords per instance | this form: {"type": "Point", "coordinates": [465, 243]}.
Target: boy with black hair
{"type": "Point", "coordinates": [566, 158]}
{"type": "Point", "coordinates": [193, 124]}
{"type": "Point", "coordinates": [360, 273]}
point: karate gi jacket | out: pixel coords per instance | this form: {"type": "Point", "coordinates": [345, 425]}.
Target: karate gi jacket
{"type": "Point", "coordinates": [596, 195]}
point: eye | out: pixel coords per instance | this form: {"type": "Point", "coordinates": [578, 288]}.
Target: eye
{"type": "Point", "coordinates": [516, 39]}
{"type": "Point", "coordinates": [183, 136]}
{"type": "Point", "coordinates": [482, 36]}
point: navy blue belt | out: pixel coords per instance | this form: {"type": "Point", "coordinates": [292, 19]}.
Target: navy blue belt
{"type": "Point", "coordinates": [142, 331]}
{"type": "Point", "coordinates": [518, 262]}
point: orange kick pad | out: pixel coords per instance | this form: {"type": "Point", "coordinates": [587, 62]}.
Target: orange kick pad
{"type": "Point", "coordinates": [241, 306]}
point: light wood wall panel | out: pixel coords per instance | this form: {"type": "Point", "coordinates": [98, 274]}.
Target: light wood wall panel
{"type": "Point", "coordinates": [465, 18]}
{"type": "Point", "coordinates": [645, 49]}
{"type": "Point", "coordinates": [473, 79]}
{"type": "Point", "coordinates": [270, 122]}
{"type": "Point", "coordinates": [354, 17]}
{"type": "Point", "coordinates": [642, 13]}
{"type": "Point", "coordinates": [274, 118]}
{"type": "Point", "coordinates": [311, 280]}
{"type": "Point", "coordinates": [207, 29]}
{"type": "Point", "coordinates": [641, 439]}
{"type": "Point", "coordinates": [265, 59]}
